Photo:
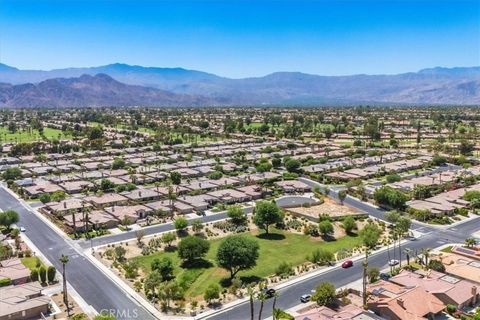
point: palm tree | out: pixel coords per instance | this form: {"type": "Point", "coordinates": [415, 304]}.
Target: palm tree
{"type": "Point", "coordinates": [364, 280]}
{"type": "Point", "coordinates": [251, 294]}
{"type": "Point", "coordinates": [262, 297]}
{"type": "Point", "coordinates": [407, 252]}
{"type": "Point", "coordinates": [64, 261]}
{"type": "Point", "coordinates": [470, 242]}
{"type": "Point", "coordinates": [275, 296]}
{"type": "Point", "coordinates": [426, 254]}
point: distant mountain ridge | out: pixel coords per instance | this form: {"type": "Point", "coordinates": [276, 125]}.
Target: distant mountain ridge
{"type": "Point", "coordinates": [459, 86]}
{"type": "Point", "coordinates": [87, 90]}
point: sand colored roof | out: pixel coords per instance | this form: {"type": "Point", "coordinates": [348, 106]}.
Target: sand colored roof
{"type": "Point", "coordinates": [434, 282]}
{"type": "Point", "coordinates": [406, 304]}
{"type": "Point", "coordinates": [461, 266]}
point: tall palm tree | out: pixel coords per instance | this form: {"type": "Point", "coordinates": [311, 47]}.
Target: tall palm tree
{"type": "Point", "coordinates": [64, 261]}
{"type": "Point", "coordinates": [251, 294]}
{"type": "Point", "coordinates": [262, 297]}
{"type": "Point", "coordinates": [364, 279]}
{"type": "Point", "coordinates": [407, 252]}
{"type": "Point", "coordinates": [426, 253]}
{"type": "Point", "coordinates": [275, 296]}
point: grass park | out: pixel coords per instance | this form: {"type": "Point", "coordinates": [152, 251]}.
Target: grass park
{"type": "Point", "coordinates": [25, 136]}
{"type": "Point", "coordinates": [293, 248]}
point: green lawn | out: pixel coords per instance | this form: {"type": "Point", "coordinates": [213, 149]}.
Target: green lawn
{"type": "Point", "coordinates": [30, 136]}
{"type": "Point", "coordinates": [282, 246]}
{"type": "Point", "coordinates": [30, 262]}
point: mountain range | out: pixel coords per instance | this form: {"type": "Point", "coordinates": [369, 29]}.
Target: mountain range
{"type": "Point", "coordinates": [126, 85]}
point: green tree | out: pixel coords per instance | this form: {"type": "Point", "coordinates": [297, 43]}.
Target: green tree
{"type": "Point", "coordinates": [373, 274]}
{"type": "Point", "coordinates": [118, 163]}
{"type": "Point", "coordinates": [197, 225]}
{"type": "Point", "coordinates": [176, 177]}
{"type": "Point", "coordinates": [342, 194]}
{"type": "Point", "coordinates": [349, 224]}
{"type": "Point", "coordinates": [212, 293]}
{"type": "Point", "coordinates": [180, 224]}
{"type": "Point", "coordinates": [236, 253]}
{"type": "Point", "coordinates": [370, 235]}
{"type": "Point", "coordinates": [12, 174]}
{"type": "Point", "coordinates": [324, 294]}
{"type": "Point", "coordinates": [267, 213]}
{"type": "Point", "coordinates": [237, 215]}
{"type": "Point", "coordinates": [390, 197]}
{"type": "Point", "coordinates": [326, 228]}
{"type": "Point", "coordinates": [292, 165]}
{"type": "Point", "coordinates": [9, 217]}
{"type": "Point", "coordinates": [168, 238]}
{"type": "Point", "coordinates": [120, 253]}
{"type": "Point", "coordinates": [192, 248]}
{"type": "Point", "coordinates": [436, 265]}
{"type": "Point", "coordinates": [164, 267]}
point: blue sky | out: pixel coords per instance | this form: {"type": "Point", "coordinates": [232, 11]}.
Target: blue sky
{"type": "Point", "coordinates": [242, 38]}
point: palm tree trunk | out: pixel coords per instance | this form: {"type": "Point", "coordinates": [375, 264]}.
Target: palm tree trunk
{"type": "Point", "coordinates": [252, 311]}
{"type": "Point", "coordinates": [261, 310]}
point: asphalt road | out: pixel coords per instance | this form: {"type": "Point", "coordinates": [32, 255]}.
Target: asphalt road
{"type": "Point", "coordinates": [95, 288]}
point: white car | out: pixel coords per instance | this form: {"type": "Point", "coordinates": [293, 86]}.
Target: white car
{"type": "Point", "coordinates": [22, 229]}
{"type": "Point", "coordinates": [393, 262]}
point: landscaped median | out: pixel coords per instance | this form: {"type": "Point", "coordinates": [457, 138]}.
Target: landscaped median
{"type": "Point", "coordinates": [189, 270]}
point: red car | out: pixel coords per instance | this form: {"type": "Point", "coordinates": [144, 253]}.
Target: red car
{"type": "Point", "coordinates": [347, 264]}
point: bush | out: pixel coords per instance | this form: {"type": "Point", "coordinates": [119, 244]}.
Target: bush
{"type": "Point", "coordinates": [5, 282]}
{"type": "Point", "coordinates": [284, 269]}
{"type": "Point", "coordinates": [34, 275]}
{"type": "Point", "coordinates": [51, 272]}
{"type": "Point", "coordinates": [42, 272]}
{"type": "Point", "coordinates": [212, 292]}
{"type": "Point", "coordinates": [321, 256]}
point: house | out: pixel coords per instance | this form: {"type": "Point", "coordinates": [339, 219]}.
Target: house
{"type": "Point", "coordinates": [44, 187]}
{"type": "Point", "coordinates": [142, 194]}
{"type": "Point", "coordinates": [72, 187]}
{"type": "Point", "coordinates": [199, 203]}
{"type": "Point", "coordinates": [254, 191]}
{"type": "Point", "coordinates": [348, 312]}
{"type": "Point", "coordinates": [99, 219]}
{"type": "Point", "coordinates": [447, 288]}
{"type": "Point", "coordinates": [291, 186]}
{"type": "Point", "coordinates": [133, 213]}
{"type": "Point", "coordinates": [461, 266]}
{"type": "Point", "coordinates": [14, 270]}
{"type": "Point", "coordinates": [21, 302]}
{"type": "Point", "coordinates": [108, 199]}
{"type": "Point", "coordinates": [68, 205]}
{"type": "Point", "coordinates": [228, 196]}
{"type": "Point", "coordinates": [392, 301]}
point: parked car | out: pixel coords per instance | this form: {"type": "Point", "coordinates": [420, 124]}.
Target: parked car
{"type": "Point", "coordinates": [393, 262]}
{"type": "Point", "coordinates": [305, 298]}
{"type": "Point", "coordinates": [384, 276]}
{"type": "Point", "coordinates": [22, 229]}
{"type": "Point", "coordinates": [268, 292]}
{"type": "Point", "coordinates": [347, 264]}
